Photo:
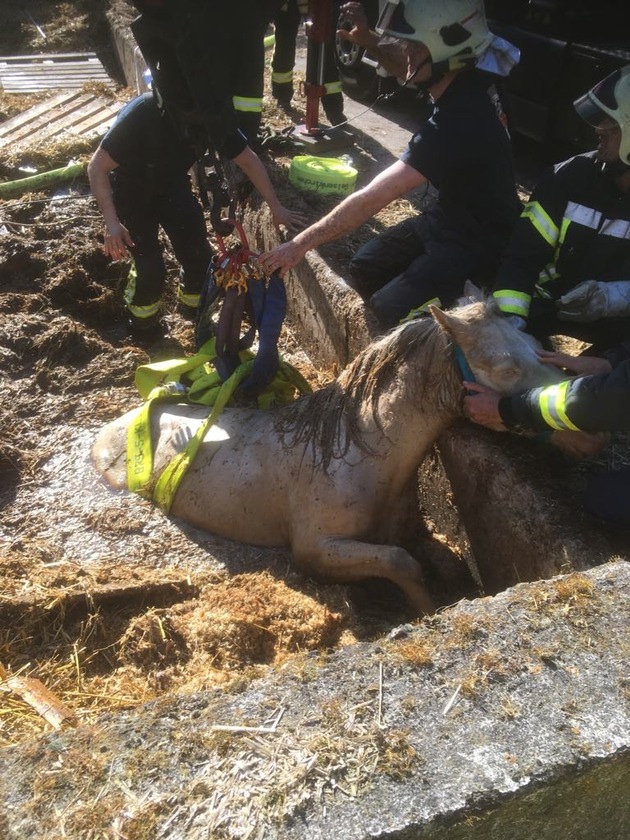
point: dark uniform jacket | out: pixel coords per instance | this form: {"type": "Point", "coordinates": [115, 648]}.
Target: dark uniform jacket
{"type": "Point", "coordinates": [464, 150]}
{"type": "Point", "coordinates": [147, 148]}
{"type": "Point", "coordinates": [576, 227]}
{"type": "Point", "coordinates": [597, 403]}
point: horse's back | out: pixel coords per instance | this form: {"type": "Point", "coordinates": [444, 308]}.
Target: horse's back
{"type": "Point", "coordinates": [109, 451]}
{"type": "Point", "coordinates": [236, 485]}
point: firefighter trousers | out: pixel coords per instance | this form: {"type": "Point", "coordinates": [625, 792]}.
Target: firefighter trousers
{"type": "Point", "coordinates": [410, 265]}
{"type": "Point", "coordinates": [178, 213]}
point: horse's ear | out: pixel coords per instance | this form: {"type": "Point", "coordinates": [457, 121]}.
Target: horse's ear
{"type": "Point", "coordinates": [473, 292]}
{"type": "Point", "coordinates": [448, 323]}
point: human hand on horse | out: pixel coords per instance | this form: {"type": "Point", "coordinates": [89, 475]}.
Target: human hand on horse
{"type": "Point", "coordinates": [581, 365]}
{"type": "Point", "coordinates": [482, 406]}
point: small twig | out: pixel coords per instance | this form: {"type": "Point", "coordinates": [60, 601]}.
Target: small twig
{"type": "Point", "coordinates": [379, 719]}
{"type": "Point", "coordinates": [58, 221]}
{"type": "Point", "coordinates": [30, 18]}
{"type": "Point", "coordinates": [261, 729]}
{"type": "Point", "coordinates": [7, 205]}
{"type": "Point", "coordinates": [451, 702]}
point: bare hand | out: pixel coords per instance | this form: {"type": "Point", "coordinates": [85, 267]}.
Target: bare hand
{"type": "Point", "coordinates": [282, 258]}
{"type": "Point", "coordinates": [579, 444]}
{"type": "Point", "coordinates": [292, 221]}
{"type": "Point", "coordinates": [117, 238]}
{"type": "Point", "coordinates": [581, 365]}
{"type": "Point", "coordinates": [353, 15]}
{"type": "Point", "coordinates": [482, 406]}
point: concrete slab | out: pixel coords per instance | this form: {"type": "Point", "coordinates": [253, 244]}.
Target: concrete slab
{"type": "Point", "coordinates": [506, 718]}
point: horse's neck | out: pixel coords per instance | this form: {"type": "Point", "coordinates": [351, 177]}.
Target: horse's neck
{"type": "Point", "coordinates": [411, 416]}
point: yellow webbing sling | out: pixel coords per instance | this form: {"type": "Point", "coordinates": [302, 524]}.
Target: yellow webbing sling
{"type": "Point", "coordinates": [161, 381]}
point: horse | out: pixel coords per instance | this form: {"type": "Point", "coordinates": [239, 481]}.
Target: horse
{"type": "Point", "coordinates": [324, 474]}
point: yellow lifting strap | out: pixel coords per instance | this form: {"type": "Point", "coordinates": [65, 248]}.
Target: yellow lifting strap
{"type": "Point", "coordinates": [162, 382]}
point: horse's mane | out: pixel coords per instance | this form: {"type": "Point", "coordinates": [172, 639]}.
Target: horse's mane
{"type": "Point", "coordinates": [329, 420]}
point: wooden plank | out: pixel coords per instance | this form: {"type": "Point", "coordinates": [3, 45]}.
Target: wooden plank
{"type": "Point", "coordinates": [27, 74]}
{"type": "Point", "coordinates": [46, 118]}
{"type": "Point", "coordinates": [38, 69]}
{"type": "Point", "coordinates": [44, 84]}
{"type": "Point", "coordinates": [36, 111]}
{"type": "Point", "coordinates": [57, 72]}
{"type": "Point", "coordinates": [72, 121]}
{"type": "Point", "coordinates": [47, 56]}
{"type": "Point", "coordinates": [97, 123]}
{"type": "Point", "coordinates": [42, 87]}
{"type": "Point", "coordinates": [83, 115]}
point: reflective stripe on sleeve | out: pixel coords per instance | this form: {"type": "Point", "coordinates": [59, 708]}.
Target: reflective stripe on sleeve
{"type": "Point", "coordinates": [542, 222]}
{"type": "Point", "coordinates": [552, 404]}
{"type": "Point", "coordinates": [248, 104]}
{"type": "Point", "coordinates": [512, 302]}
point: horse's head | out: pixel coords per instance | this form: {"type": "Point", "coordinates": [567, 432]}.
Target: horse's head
{"type": "Point", "coordinates": [500, 355]}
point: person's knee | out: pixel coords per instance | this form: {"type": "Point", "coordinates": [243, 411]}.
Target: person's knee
{"type": "Point", "coordinates": [387, 313]}
{"type": "Point", "coordinates": [362, 275]}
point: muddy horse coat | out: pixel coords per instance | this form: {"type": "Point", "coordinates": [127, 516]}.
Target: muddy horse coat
{"type": "Point", "coordinates": [324, 475]}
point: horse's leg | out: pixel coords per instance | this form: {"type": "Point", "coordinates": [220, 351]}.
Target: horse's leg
{"type": "Point", "coordinates": [346, 560]}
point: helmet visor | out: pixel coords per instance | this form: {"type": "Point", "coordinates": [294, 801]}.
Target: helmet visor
{"type": "Point", "coordinates": [590, 111]}
{"type": "Point", "coordinates": [393, 21]}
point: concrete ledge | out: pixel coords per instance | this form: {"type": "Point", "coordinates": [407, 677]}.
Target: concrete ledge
{"type": "Point", "coordinates": [503, 718]}
{"type": "Point", "coordinates": [127, 52]}
{"type": "Point", "coordinates": [331, 318]}
{"type": "Point", "coordinates": [518, 525]}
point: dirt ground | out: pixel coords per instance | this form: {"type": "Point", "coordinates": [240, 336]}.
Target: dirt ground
{"type": "Point", "coordinates": [103, 599]}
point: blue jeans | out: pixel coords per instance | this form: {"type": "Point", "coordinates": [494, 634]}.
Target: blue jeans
{"type": "Point", "coordinates": [408, 265]}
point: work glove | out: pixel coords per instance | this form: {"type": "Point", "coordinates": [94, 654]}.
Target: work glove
{"type": "Point", "coordinates": [594, 299]}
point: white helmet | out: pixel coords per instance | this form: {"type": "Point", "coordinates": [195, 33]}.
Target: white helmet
{"type": "Point", "coordinates": [448, 28]}
{"type": "Point", "coordinates": [610, 98]}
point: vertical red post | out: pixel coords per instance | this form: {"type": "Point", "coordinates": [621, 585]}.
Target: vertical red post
{"type": "Point", "coordinates": [319, 31]}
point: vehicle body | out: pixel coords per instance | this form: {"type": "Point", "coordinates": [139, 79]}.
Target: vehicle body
{"type": "Point", "coordinates": [565, 47]}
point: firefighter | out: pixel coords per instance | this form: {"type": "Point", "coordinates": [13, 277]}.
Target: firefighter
{"type": "Point", "coordinates": [211, 54]}
{"type": "Point", "coordinates": [287, 22]}
{"type": "Point", "coordinates": [463, 150]}
{"type": "Point", "coordinates": [577, 413]}
{"type": "Point", "coordinates": [139, 177]}
{"type": "Point", "coordinates": [567, 269]}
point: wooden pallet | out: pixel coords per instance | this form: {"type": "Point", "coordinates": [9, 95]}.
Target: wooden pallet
{"type": "Point", "coordinates": [62, 71]}
{"type": "Point", "coordinates": [77, 112]}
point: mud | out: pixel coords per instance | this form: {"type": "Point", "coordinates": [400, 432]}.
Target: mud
{"type": "Point", "coordinates": [102, 598]}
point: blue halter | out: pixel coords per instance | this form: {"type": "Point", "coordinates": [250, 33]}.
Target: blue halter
{"type": "Point", "coordinates": [462, 365]}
